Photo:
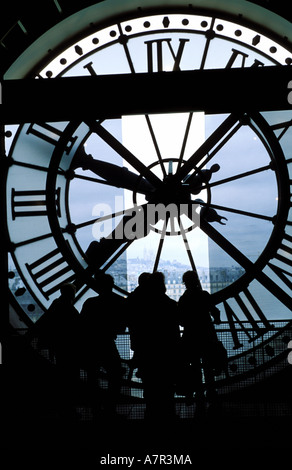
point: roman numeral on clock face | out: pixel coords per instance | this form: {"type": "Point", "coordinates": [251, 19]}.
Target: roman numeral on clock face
{"type": "Point", "coordinates": [155, 50]}
{"type": "Point", "coordinates": [284, 257]}
{"type": "Point", "coordinates": [90, 68]}
{"type": "Point", "coordinates": [50, 134]}
{"type": "Point", "coordinates": [239, 57]}
{"type": "Point", "coordinates": [31, 203]}
{"type": "Point", "coordinates": [245, 305]}
{"type": "Point", "coordinates": [282, 127]}
{"type": "Point", "coordinates": [49, 272]}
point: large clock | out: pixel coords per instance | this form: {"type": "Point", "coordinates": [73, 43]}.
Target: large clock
{"type": "Point", "coordinates": [172, 192]}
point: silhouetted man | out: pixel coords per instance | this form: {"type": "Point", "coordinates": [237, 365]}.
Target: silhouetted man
{"type": "Point", "coordinates": [155, 334]}
{"type": "Point", "coordinates": [101, 321]}
{"type": "Point", "coordinates": [57, 329]}
{"type": "Point", "coordinates": [195, 309]}
{"type": "Point", "coordinates": [137, 311]}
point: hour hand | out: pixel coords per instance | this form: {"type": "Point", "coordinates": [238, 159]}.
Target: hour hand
{"type": "Point", "coordinates": [209, 214]}
{"type": "Point", "coordinates": [114, 175]}
{"type": "Point", "coordinates": [132, 226]}
{"type": "Point", "coordinates": [196, 180]}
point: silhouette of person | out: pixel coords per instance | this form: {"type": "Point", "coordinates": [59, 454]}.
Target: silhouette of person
{"type": "Point", "coordinates": [137, 310]}
{"type": "Point", "coordinates": [195, 310]}
{"type": "Point", "coordinates": [155, 339]}
{"type": "Point", "coordinates": [101, 321]}
{"type": "Point", "coordinates": [57, 329]}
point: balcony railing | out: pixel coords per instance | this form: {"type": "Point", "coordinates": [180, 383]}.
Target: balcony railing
{"type": "Point", "coordinates": [254, 361]}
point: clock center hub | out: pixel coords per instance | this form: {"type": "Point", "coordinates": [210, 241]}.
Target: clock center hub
{"type": "Point", "coordinates": [171, 192]}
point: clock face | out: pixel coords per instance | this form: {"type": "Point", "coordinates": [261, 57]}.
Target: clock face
{"type": "Point", "coordinates": [172, 192]}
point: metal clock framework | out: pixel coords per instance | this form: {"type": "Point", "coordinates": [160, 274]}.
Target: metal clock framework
{"type": "Point", "coordinates": [237, 173]}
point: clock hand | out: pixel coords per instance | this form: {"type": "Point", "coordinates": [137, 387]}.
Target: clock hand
{"type": "Point", "coordinates": [132, 227]}
{"type": "Point", "coordinates": [196, 180]}
{"type": "Point", "coordinates": [121, 150]}
{"type": "Point", "coordinates": [209, 214]}
{"type": "Point", "coordinates": [208, 145]}
{"type": "Point", "coordinates": [115, 175]}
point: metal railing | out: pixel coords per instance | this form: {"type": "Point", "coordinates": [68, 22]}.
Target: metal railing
{"type": "Point", "coordinates": [257, 359]}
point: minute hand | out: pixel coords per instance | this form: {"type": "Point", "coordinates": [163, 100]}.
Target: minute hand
{"type": "Point", "coordinates": [215, 137]}
{"type": "Point", "coordinates": [116, 145]}
{"type": "Point", "coordinates": [115, 175]}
